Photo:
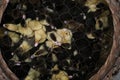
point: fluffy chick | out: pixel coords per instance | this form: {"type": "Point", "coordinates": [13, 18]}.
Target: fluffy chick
{"type": "Point", "coordinates": [53, 36]}
{"type": "Point", "coordinates": [91, 4]}
{"type": "Point", "coordinates": [38, 28]}
{"type": "Point", "coordinates": [11, 27]}
{"type": "Point", "coordinates": [26, 31]}
{"type": "Point", "coordinates": [40, 36]}
{"type": "Point", "coordinates": [14, 37]}
{"type": "Point", "coordinates": [25, 46]}
{"type": "Point", "coordinates": [54, 40]}
{"type": "Point", "coordinates": [65, 34]}
{"type": "Point", "coordinates": [32, 75]}
{"type": "Point", "coordinates": [62, 75]}
{"type": "Point", "coordinates": [102, 21]}
{"type": "Point", "coordinates": [44, 22]}
{"type": "Point", "coordinates": [33, 24]}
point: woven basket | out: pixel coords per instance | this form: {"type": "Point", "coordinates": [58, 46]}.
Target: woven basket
{"type": "Point", "coordinates": [106, 71]}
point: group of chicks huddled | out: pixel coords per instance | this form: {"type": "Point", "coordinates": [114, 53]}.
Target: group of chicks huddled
{"type": "Point", "coordinates": [36, 30]}
{"type": "Point", "coordinates": [61, 75]}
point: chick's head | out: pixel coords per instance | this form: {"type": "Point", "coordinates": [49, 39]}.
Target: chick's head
{"type": "Point", "coordinates": [62, 75]}
{"type": "Point", "coordinates": [53, 36]}
{"type": "Point", "coordinates": [34, 24]}
{"type": "Point", "coordinates": [54, 40]}
{"type": "Point", "coordinates": [65, 34]}
{"type": "Point", "coordinates": [44, 22]}
{"type": "Point", "coordinates": [25, 46]}
{"type": "Point", "coordinates": [14, 37]}
{"type": "Point", "coordinates": [26, 31]}
{"type": "Point", "coordinates": [11, 27]}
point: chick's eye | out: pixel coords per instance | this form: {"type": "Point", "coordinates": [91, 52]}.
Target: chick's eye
{"type": "Point", "coordinates": [5, 25]}
{"type": "Point", "coordinates": [67, 33]}
{"type": "Point", "coordinates": [53, 36]}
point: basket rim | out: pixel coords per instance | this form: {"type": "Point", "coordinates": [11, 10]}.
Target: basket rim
{"type": "Point", "coordinates": [105, 70]}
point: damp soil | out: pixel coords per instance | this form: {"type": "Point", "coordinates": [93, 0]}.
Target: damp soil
{"type": "Point", "coordinates": [86, 55]}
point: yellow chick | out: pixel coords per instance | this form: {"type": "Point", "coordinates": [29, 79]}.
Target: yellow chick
{"type": "Point", "coordinates": [90, 36]}
{"type": "Point", "coordinates": [65, 34]}
{"type": "Point", "coordinates": [38, 27]}
{"type": "Point", "coordinates": [14, 37]}
{"type": "Point", "coordinates": [52, 44]}
{"type": "Point", "coordinates": [54, 57]}
{"type": "Point", "coordinates": [26, 31]}
{"type": "Point", "coordinates": [103, 18]}
{"type": "Point", "coordinates": [33, 24]}
{"type": "Point", "coordinates": [54, 40]}
{"type": "Point", "coordinates": [53, 36]}
{"type": "Point", "coordinates": [92, 4]}
{"type": "Point", "coordinates": [44, 22]}
{"type": "Point", "coordinates": [105, 21]}
{"type": "Point", "coordinates": [40, 36]}
{"type": "Point", "coordinates": [11, 27]}
{"type": "Point", "coordinates": [25, 46]}
{"type": "Point", "coordinates": [55, 68]}
{"type": "Point", "coordinates": [62, 75]}
{"type": "Point", "coordinates": [32, 75]}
